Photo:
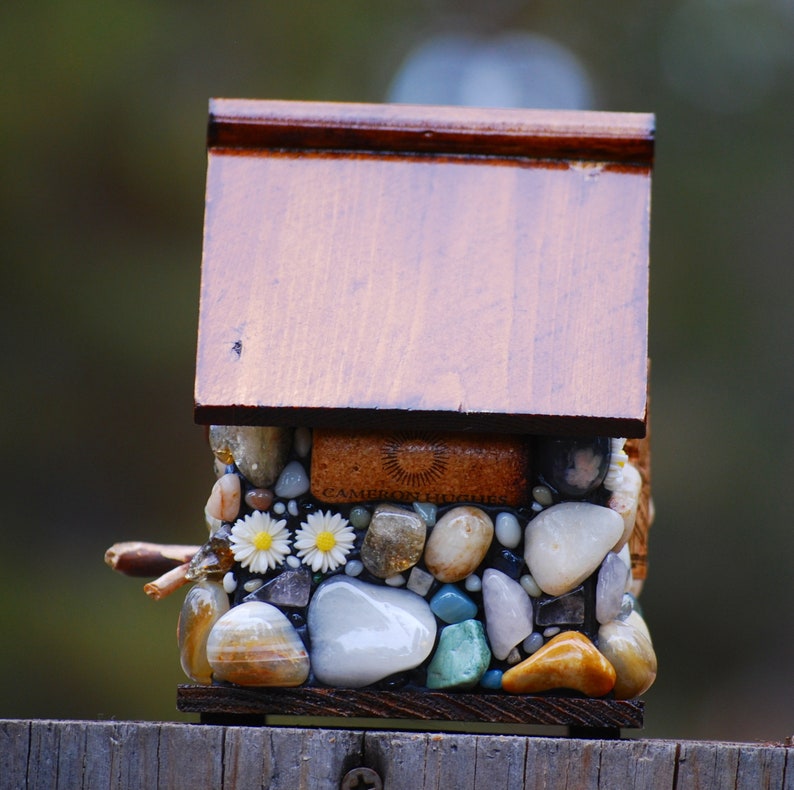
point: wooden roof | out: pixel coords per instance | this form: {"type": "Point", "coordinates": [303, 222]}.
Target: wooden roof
{"type": "Point", "coordinates": [381, 266]}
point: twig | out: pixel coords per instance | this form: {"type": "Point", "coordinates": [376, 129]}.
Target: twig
{"type": "Point", "coordinates": [167, 583]}
{"type": "Point", "coordinates": [138, 558]}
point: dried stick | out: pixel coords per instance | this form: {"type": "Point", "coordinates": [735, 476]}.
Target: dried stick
{"type": "Point", "coordinates": [138, 558]}
{"type": "Point", "coordinates": [167, 583]}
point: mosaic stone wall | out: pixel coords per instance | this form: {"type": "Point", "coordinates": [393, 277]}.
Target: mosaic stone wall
{"type": "Point", "coordinates": [492, 563]}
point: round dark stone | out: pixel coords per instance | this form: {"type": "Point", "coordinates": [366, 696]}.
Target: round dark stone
{"type": "Point", "coordinates": [574, 467]}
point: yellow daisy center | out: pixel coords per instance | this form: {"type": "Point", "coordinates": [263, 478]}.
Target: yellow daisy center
{"type": "Point", "coordinates": [325, 540]}
{"type": "Point", "coordinates": [262, 541]}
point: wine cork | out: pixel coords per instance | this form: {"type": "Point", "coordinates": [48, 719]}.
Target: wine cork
{"type": "Point", "coordinates": [414, 466]}
{"type": "Point", "coordinates": [639, 453]}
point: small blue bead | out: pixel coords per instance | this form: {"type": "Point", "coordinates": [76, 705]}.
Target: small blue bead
{"type": "Point", "coordinates": [451, 605]}
{"type": "Point", "coordinates": [492, 679]}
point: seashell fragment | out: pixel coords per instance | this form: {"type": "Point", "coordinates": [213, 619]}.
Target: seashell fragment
{"type": "Point", "coordinates": [204, 603]}
{"type": "Point", "coordinates": [254, 644]}
{"type": "Point", "coordinates": [458, 543]}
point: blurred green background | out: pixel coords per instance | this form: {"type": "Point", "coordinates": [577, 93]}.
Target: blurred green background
{"type": "Point", "coordinates": [102, 124]}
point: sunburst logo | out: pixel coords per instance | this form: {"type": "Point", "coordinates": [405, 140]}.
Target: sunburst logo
{"type": "Point", "coordinates": [415, 459]}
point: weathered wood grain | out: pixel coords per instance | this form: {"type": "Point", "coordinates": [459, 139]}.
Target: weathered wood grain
{"type": "Point", "coordinates": [500, 762]}
{"type": "Point", "coordinates": [122, 754]}
{"type": "Point", "coordinates": [743, 767]}
{"type": "Point", "coordinates": [433, 269]}
{"type": "Point", "coordinates": [48, 755]}
{"type": "Point", "coordinates": [14, 751]}
{"type": "Point", "coordinates": [414, 705]}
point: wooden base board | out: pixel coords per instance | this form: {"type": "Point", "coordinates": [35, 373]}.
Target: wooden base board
{"type": "Point", "coordinates": [224, 704]}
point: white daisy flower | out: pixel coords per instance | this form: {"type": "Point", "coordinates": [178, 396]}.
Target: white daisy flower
{"type": "Point", "coordinates": [324, 540]}
{"type": "Point", "coordinates": [260, 542]}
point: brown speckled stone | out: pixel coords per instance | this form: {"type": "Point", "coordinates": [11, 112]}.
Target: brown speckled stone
{"type": "Point", "coordinates": [394, 541]}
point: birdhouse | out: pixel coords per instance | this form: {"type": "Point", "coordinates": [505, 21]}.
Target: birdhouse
{"type": "Point", "coordinates": [422, 357]}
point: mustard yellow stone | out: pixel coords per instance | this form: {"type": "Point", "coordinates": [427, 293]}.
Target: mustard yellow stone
{"type": "Point", "coordinates": [568, 661]}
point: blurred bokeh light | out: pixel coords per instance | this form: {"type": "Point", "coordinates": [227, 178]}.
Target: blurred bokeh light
{"type": "Point", "coordinates": [101, 207]}
{"type": "Point", "coordinates": [516, 69]}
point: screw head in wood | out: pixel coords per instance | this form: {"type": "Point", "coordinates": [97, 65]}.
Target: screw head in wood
{"type": "Point", "coordinates": [361, 779]}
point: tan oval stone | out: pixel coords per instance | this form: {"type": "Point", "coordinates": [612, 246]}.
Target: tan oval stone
{"type": "Point", "coordinates": [458, 543]}
{"type": "Point", "coordinates": [632, 655]}
{"type": "Point", "coordinates": [394, 541]}
{"type": "Point", "coordinates": [568, 661]}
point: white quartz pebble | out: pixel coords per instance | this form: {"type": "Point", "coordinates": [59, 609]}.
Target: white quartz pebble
{"type": "Point", "coordinates": [229, 583]}
{"type": "Point", "coordinates": [508, 530]}
{"type": "Point", "coordinates": [508, 612]}
{"type": "Point", "coordinates": [530, 586]}
{"type": "Point", "coordinates": [565, 543]}
{"type": "Point", "coordinates": [473, 583]}
{"type": "Point", "coordinates": [293, 481]}
{"type": "Point", "coordinates": [344, 611]}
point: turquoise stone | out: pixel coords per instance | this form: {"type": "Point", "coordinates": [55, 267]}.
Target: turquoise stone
{"type": "Point", "coordinates": [451, 605]}
{"type": "Point", "coordinates": [492, 679]}
{"type": "Point", "coordinates": [461, 658]}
